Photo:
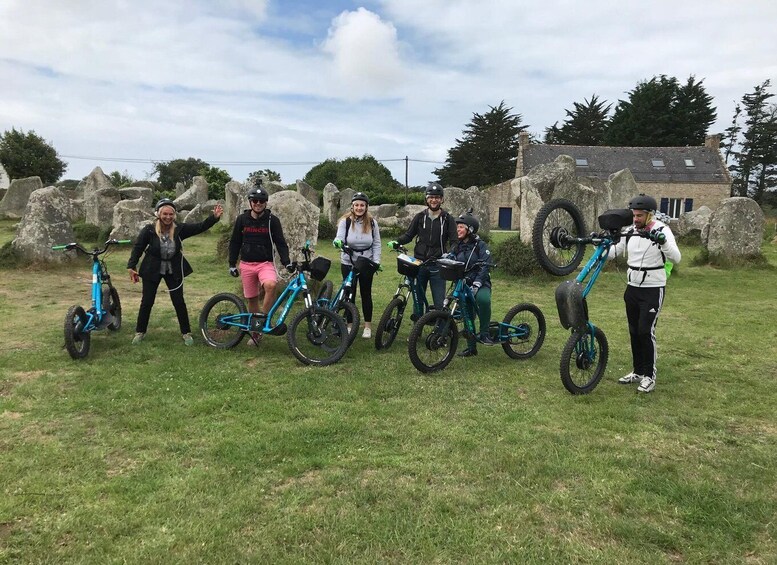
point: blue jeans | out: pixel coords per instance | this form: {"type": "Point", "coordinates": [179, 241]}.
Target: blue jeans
{"type": "Point", "coordinates": [431, 276]}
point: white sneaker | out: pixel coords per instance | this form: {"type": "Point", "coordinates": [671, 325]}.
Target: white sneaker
{"type": "Point", "coordinates": [630, 378]}
{"type": "Point", "coordinates": [646, 384]}
{"type": "Point", "coordinates": [367, 333]}
{"type": "Point", "coordinates": [138, 338]}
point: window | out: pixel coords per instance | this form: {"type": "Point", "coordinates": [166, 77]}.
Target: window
{"type": "Point", "coordinates": [581, 162]}
{"type": "Point", "coordinates": [675, 208]}
{"type": "Point", "coordinates": [689, 163]}
{"type": "Point", "coordinates": [658, 163]}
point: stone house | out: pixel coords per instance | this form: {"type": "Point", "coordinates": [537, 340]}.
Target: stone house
{"type": "Point", "coordinates": [681, 179]}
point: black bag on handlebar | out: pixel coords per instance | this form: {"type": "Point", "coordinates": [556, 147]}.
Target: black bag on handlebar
{"type": "Point", "coordinates": [319, 267]}
{"type": "Point", "coordinates": [572, 306]}
{"type": "Point", "coordinates": [615, 220]}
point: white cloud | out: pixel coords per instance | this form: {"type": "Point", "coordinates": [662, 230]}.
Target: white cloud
{"type": "Point", "coordinates": [272, 81]}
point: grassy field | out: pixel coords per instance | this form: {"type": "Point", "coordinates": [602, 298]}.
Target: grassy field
{"type": "Point", "coordinates": [163, 453]}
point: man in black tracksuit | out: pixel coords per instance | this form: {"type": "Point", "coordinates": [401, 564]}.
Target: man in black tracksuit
{"type": "Point", "coordinates": [435, 232]}
{"type": "Point", "coordinates": [254, 235]}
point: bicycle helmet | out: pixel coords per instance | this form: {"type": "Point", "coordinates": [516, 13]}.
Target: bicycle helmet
{"type": "Point", "coordinates": [469, 220]}
{"type": "Point", "coordinates": [643, 202]}
{"type": "Point", "coordinates": [258, 194]}
{"type": "Point", "coordinates": [433, 189]}
{"type": "Point", "coordinates": [360, 196]}
{"type": "Point", "coordinates": [165, 202]}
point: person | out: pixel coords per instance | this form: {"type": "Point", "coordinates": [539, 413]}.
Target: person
{"type": "Point", "coordinates": [257, 233]}
{"type": "Point", "coordinates": [161, 245]}
{"type": "Point", "coordinates": [470, 249]}
{"type": "Point", "coordinates": [358, 230]}
{"type": "Point", "coordinates": [649, 244]}
{"type": "Point", "coordinates": [434, 231]}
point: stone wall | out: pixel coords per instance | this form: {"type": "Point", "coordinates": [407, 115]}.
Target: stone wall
{"type": "Point", "coordinates": [709, 195]}
{"type": "Point", "coordinates": [505, 195]}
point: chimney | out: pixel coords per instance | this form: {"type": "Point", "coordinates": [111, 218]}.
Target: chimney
{"type": "Point", "coordinates": [523, 139]}
{"type": "Point", "coordinates": [713, 141]}
{"type": "Point", "coordinates": [523, 143]}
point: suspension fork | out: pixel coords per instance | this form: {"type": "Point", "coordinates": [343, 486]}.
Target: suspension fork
{"type": "Point", "coordinates": [586, 345]}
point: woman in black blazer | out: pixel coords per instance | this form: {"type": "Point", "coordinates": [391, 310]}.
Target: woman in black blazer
{"type": "Point", "coordinates": [160, 243]}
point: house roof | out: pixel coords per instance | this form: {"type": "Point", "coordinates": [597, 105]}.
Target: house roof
{"type": "Point", "coordinates": [680, 164]}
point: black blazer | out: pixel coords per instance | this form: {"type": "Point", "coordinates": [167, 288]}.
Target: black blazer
{"type": "Point", "coordinates": [148, 245]}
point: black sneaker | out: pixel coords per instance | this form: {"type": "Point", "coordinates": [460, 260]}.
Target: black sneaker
{"type": "Point", "coordinates": [468, 353]}
{"type": "Point", "coordinates": [486, 340]}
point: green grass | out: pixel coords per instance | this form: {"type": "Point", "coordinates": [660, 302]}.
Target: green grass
{"type": "Point", "coordinates": [162, 453]}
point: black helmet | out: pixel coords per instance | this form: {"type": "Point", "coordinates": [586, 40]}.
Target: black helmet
{"type": "Point", "coordinates": [258, 194]}
{"type": "Point", "coordinates": [165, 202]}
{"type": "Point", "coordinates": [469, 220]}
{"type": "Point", "coordinates": [643, 202]}
{"type": "Point", "coordinates": [433, 189]}
{"type": "Point", "coordinates": [360, 196]}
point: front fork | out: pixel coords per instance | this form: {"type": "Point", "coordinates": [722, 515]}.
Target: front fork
{"type": "Point", "coordinates": [585, 348]}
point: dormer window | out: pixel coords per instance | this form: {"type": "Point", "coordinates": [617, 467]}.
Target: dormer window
{"type": "Point", "coordinates": [658, 163]}
{"type": "Point", "coordinates": [581, 162]}
{"type": "Point", "coordinates": [689, 163]}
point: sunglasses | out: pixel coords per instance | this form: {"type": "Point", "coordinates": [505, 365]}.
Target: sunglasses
{"type": "Point", "coordinates": [259, 200]}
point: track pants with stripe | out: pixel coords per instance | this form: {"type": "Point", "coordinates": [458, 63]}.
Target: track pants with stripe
{"type": "Point", "coordinates": [643, 305]}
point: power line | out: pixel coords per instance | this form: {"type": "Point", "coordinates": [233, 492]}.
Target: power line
{"type": "Point", "coordinates": [230, 163]}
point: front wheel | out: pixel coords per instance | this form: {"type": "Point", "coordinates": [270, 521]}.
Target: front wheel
{"type": "Point", "coordinates": [584, 360]}
{"type": "Point", "coordinates": [433, 341]}
{"type": "Point", "coordinates": [217, 321]}
{"type": "Point", "coordinates": [558, 221]}
{"type": "Point", "coordinates": [524, 326]}
{"type": "Point", "coordinates": [318, 336]}
{"type": "Point", "coordinates": [113, 307]}
{"type": "Point", "coordinates": [389, 324]}
{"type": "Point", "coordinates": [77, 341]}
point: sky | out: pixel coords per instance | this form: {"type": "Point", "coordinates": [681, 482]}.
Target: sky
{"type": "Point", "coordinates": [247, 85]}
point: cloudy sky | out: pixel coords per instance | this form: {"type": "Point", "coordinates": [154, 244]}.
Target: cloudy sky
{"type": "Point", "coordinates": [285, 84]}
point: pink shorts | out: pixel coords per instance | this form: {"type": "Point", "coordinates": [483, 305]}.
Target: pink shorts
{"type": "Point", "coordinates": [255, 274]}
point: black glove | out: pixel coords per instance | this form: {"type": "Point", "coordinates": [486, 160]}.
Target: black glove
{"type": "Point", "coordinates": [290, 267]}
{"type": "Point", "coordinates": [656, 236]}
{"type": "Point", "coordinates": [234, 272]}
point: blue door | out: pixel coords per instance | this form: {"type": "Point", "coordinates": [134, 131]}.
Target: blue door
{"type": "Point", "coordinates": [505, 218]}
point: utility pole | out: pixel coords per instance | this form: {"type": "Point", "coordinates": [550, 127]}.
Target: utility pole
{"type": "Point", "coordinates": [406, 187]}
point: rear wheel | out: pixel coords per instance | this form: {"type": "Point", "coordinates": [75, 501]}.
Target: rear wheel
{"type": "Point", "coordinates": [433, 341]}
{"type": "Point", "coordinates": [524, 326]}
{"type": "Point", "coordinates": [317, 336]}
{"type": "Point", "coordinates": [113, 307]}
{"type": "Point", "coordinates": [77, 341]}
{"type": "Point", "coordinates": [389, 324]}
{"type": "Point", "coordinates": [557, 222]}
{"type": "Point", "coordinates": [350, 313]}
{"type": "Point", "coordinates": [324, 293]}
{"type": "Point", "coordinates": [217, 321]}
{"type": "Point", "coordinates": [584, 360]}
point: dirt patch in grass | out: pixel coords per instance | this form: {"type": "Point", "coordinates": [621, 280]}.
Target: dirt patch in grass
{"type": "Point", "coordinates": [11, 415]}
{"type": "Point", "coordinates": [311, 478]}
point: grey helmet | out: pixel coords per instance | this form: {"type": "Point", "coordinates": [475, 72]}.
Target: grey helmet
{"type": "Point", "coordinates": [360, 196]}
{"type": "Point", "coordinates": [165, 202]}
{"type": "Point", "coordinates": [469, 220]}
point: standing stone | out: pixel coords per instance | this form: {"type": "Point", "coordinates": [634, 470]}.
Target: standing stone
{"type": "Point", "coordinates": [197, 194]}
{"type": "Point", "coordinates": [331, 203]}
{"type": "Point", "coordinates": [299, 218]}
{"type": "Point", "coordinates": [693, 223]}
{"type": "Point", "coordinates": [97, 180]}
{"type": "Point", "coordinates": [99, 206]}
{"type": "Point", "coordinates": [17, 196]}
{"type": "Point", "coordinates": [129, 216]}
{"type": "Point", "coordinates": [5, 180]}
{"type": "Point", "coordinates": [146, 194]}
{"type": "Point", "coordinates": [234, 201]}
{"type": "Point", "coordinates": [458, 201]}
{"type": "Point", "coordinates": [180, 188]}
{"type": "Point", "coordinates": [736, 228]}
{"type": "Point", "coordinates": [308, 192]}
{"type": "Point", "coordinates": [345, 201]}
{"type": "Point", "coordinates": [273, 186]}
{"type": "Point", "coordinates": [201, 211]}
{"type": "Point", "coordinates": [46, 223]}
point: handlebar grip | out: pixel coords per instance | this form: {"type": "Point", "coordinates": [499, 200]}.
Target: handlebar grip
{"type": "Point", "coordinates": [58, 247]}
{"type": "Point", "coordinates": [124, 241]}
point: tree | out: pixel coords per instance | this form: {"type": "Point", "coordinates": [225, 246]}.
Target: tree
{"type": "Point", "coordinates": [363, 174]}
{"type": "Point", "coordinates": [29, 155]}
{"type": "Point", "coordinates": [179, 170]}
{"type": "Point", "coordinates": [120, 180]}
{"type": "Point", "coordinates": [487, 151]}
{"type": "Point", "coordinates": [266, 174]}
{"type": "Point", "coordinates": [662, 113]}
{"type": "Point", "coordinates": [753, 146]}
{"type": "Point", "coordinates": [586, 124]}
{"type": "Point", "coordinates": [217, 181]}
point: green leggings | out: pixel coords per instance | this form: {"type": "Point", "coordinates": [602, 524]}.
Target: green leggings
{"type": "Point", "coordinates": [483, 300]}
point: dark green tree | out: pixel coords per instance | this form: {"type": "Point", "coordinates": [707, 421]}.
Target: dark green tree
{"type": "Point", "coordinates": [179, 170]}
{"type": "Point", "coordinates": [217, 181]}
{"type": "Point", "coordinates": [364, 174]}
{"type": "Point", "coordinates": [662, 113]}
{"type": "Point", "coordinates": [119, 179]}
{"type": "Point", "coordinates": [268, 174]}
{"type": "Point", "coordinates": [754, 153]}
{"type": "Point", "coordinates": [487, 151]}
{"type": "Point", "coordinates": [586, 124]}
{"type": "Point", "coordinates": [29, 155]}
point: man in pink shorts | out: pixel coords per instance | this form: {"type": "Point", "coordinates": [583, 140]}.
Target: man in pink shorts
{"type": "Point", "coordinates": [257, 232]}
